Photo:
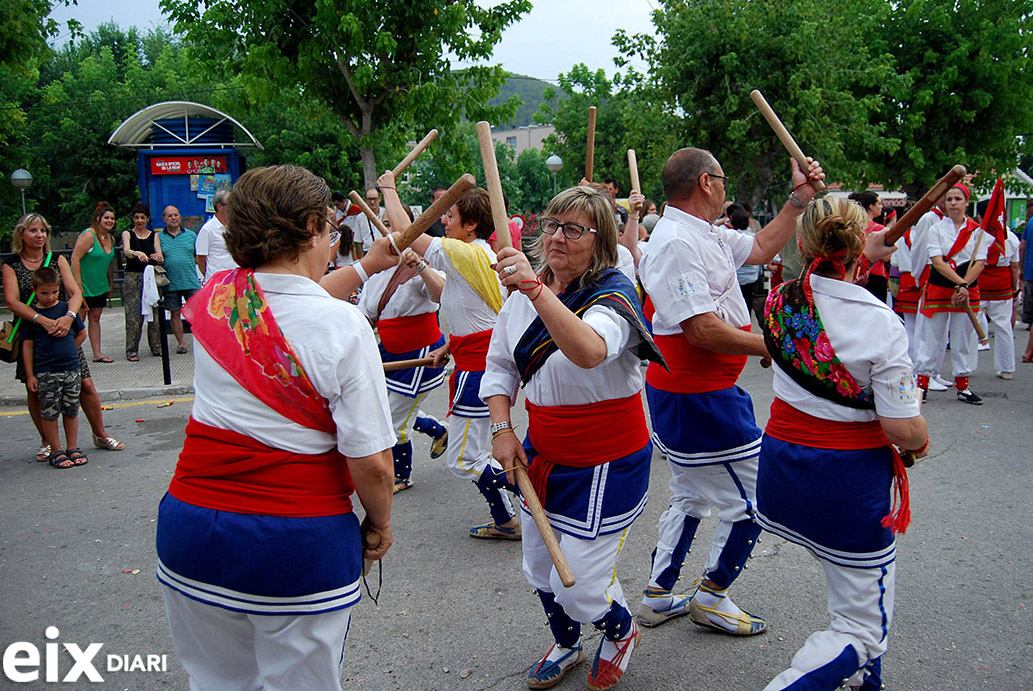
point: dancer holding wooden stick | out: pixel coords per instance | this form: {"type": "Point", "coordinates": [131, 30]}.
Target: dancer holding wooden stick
{"type": "Point", "coordinates": [573, 338]}
{"type": "Point", "coordinates": [471, 299]}
{"type": "Point", "coordinates": [958, 256]}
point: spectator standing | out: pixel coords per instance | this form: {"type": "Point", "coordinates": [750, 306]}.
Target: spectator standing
{"type": "Point", "coordinates": [141, 247]}
{"type": "Point", "coordinates": [177, 244]}
{"type": "Point", "coordinates": [211, 252]}
{"type": "Point", "coordinates": [92, 266]}
{"type": "Point", "coordinates": [1026, 260]}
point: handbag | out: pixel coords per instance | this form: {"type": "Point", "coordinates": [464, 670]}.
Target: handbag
{"type": "Point", "coordinates": [161, 277]}
{"type": "Point", "coordinates": [10, 338]}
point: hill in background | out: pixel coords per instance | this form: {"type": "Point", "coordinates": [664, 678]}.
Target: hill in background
{"type": "Point", "coordinates": [529, 89]}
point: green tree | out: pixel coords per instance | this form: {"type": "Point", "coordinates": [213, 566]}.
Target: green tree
{"type": "Point", "coordinates": [374, 64]}
{"type": "Point", "coordinates": [970, 66]}
{"type": "Point", "coordinates": [814, 66]}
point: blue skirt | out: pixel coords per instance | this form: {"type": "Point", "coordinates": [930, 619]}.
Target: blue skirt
{"type": "Point", "coordinates": [704, 428]}
{"type": "Point", "coordinates": [415, 380]}
{"type": "Point", "coordinates": [830, 501]}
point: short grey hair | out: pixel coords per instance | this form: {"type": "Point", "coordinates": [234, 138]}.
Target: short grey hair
{"type": "Point", "coordinates": [221, 197]}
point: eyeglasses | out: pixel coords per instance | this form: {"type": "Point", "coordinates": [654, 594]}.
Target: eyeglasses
{"type": "Point", "coordinates": [571, 231]}
{"type": "Point", "coordinates": [722, 178]}
{"type": "Point", "coordinates": [333, 226]}
{"type": "Point", "coordinates": [373, 199]}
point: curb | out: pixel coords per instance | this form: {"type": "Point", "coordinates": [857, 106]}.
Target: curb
{"type": "Point", "coordinates": [116, 395]}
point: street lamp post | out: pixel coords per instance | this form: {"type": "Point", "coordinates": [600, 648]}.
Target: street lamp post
{"type": "Point", "coordinates": [555, 164]}
{"type": "Point", "coordinates": [21, 179]}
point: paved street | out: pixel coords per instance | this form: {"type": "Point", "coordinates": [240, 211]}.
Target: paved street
{"type": "Point", "coordinates": [77, 552]}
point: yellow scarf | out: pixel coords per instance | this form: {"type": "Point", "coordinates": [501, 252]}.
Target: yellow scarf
{"type": "Point", "coordinates": [472, 264]}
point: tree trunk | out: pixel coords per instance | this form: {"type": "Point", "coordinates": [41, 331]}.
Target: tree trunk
{"type": "Point", "coordinates": [369, 166]}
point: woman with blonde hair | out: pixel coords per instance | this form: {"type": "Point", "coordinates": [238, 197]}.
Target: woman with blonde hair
{"type": "Point", "coordinates": [573, 337]}
{"type": "Point", "coordinates": [30, 244]}
{"type": "Point", "coordinates": [830, 477]}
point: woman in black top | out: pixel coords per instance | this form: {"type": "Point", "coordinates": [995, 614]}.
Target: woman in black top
{"type": "Point", "coordinates": [141, 247]}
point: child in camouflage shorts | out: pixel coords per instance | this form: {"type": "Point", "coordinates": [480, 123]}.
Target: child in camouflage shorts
{"type": "Point", "coordinates": [52, 366]}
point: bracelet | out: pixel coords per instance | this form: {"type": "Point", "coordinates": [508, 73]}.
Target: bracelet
{"type": "Point", "coordinates": [802, 184]}
{"type": "Point", "coordinates": [381, 187]}
{"type": "Point", "coordinates": [71, 315]}
{"type": "Point", "coordinates": [363, 276]}
{"type": "Point", "coordinates": [540, 287]}
{"type": "Point", "coordinates": [959, 286]}
{"type": "Point", "coordinates": [499, 427]}
{"type": "Point", "coordinates": [922, 449]}
{"type": "Point", "coordinates": [35, 317]}
{"type": "Point", "coordinates": [421, 267]}
{"type": "Point", "coordinates": [796, 202]}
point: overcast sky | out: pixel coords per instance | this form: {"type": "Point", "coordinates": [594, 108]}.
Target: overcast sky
{"type": "Point", "coordinates": [549, 40]}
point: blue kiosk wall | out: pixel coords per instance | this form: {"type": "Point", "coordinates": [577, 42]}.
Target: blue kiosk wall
{"type": "Point", "coordinates": [165, 178]}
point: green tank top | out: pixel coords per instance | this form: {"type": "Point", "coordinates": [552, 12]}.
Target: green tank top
{"type": "Point", "coordinates": [94, 268]}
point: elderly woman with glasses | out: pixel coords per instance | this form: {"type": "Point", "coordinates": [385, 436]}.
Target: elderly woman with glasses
{"type": "Point", "coordinates": [260, 553]}
{"type": "Point", "coordinates": [573, 336]}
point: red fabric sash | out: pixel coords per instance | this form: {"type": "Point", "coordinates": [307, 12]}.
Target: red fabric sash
{"type": "Point", "coordinates": [406, 334]}
{"type": "Point", "coordinates": [794, 426]}
{"type": "Point", "coordinates": [963, 236]}
{"type": "Point", "coordinates": [470, 351]}
{"type": "Point", "coordinates": [907, 281]}
{"type": "Point", "coordinates": [583, 436]}
{"type": "Point", "coordinates": [227, 471]}
{"type": "Point", "coordinates": [878, 268]}
{"type": "Point", "coordinates": [230, 317]}
{"type": "Point", "coordinates": [995, 283]}
{"type": "Point", "coordinates": [693, 369]}
{"type": "Point", "coordinates": [938, 299]}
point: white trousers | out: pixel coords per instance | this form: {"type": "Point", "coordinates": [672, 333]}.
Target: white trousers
{"type": "Point", "coordinates": [594, 563]}
{"type": "Point", "coordinates": [860, 602]}
{"type": "Point", "coordinates": [230, 651]}
{"type": "Point", "coordinates": [730, 488]}
{"type": "Point", "coordinates": [910, 325]}
{"type": "Point", "coordinates": [469, 446]}
{"type": "Point", "coordinates": [404, 411]}
{"type": "Point", "coordinates": [999, 313]}
{"type": "Point", "coordinates": [933, 344]}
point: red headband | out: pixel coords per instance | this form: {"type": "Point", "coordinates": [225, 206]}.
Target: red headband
{"type": "Point", "coordinates": [964, 190]}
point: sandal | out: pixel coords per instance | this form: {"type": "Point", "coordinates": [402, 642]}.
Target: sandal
{"type": "Point", "coordinates": [493, 531]}
{"type": "Point", "coordinates": [109, 443]}
{"type": "Point", "coordinates": [57, 458]}
{"type": "Point", "coordinates": [77, 457]}
{"type": "Point", "coordinates": [181, 350]}
{"type": "Point", "coordinates": [1027, 359]}
{"type": "Point", "coordinates": [402, 485]}
{"type": "Point", "coordinates": [103, 358]}
{"type": "Point", "coordinates": [133, 358]}
{"type": "Point", "coordinates": [44, 453]}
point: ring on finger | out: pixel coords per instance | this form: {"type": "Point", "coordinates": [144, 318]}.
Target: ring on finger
{"type": "Point", "coordinates": [509, 270]}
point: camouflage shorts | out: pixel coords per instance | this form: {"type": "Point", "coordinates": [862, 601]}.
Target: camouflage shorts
{"type": "Point", "coordinates": [59, 394]}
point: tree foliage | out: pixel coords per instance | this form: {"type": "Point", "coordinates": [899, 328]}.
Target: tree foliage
{"type": "Point", "coordinates": [381, 67]}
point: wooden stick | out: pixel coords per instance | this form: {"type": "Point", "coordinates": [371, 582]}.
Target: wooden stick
{"type": "Point", "coordinates": [494, 184]}
{"type": "Point", "coordinates": [953, 176]}
{"type": "Point", "coordinates": [544, 527]}
{"type": "Point", "coordinates": [590, 152]}
{"type": "Point", "coordinates": [417, 150]}
{"type": "Point", "coordinates": [783, 134]}
{"type": "Point", "coordinates": [633, 170]}
{"type": "Point", "coordinates": [425, 220]}
{"type": "Point", "coordinates": [409, 364]}
{"type": "Point", "coordinates": [373, 218]}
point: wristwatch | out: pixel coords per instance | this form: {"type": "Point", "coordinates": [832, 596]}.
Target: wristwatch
{"type": "Point", "coordinates": [499, 426]}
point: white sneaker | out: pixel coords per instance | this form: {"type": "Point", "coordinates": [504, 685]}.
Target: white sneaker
{"type": "Point", "coordinates": [938, 383]}
{"type": "Point", "coordinates": [984, 346]}
{"type": "Point", "coordinates": [1004, 375]}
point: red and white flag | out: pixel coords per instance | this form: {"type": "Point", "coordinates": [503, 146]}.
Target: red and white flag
{"type": "Point", "coordinates": [993, 219]}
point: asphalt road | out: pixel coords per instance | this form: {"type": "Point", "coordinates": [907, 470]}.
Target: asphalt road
{"type": "Point", "coordinates": [77, 553]}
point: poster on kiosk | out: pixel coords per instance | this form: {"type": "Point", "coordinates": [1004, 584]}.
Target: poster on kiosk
{"type": "Point", "coordinates": [188, 180]}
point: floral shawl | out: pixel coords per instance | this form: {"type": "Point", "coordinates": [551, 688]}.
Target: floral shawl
{"type": "Point", "coordinates": [230, 317]}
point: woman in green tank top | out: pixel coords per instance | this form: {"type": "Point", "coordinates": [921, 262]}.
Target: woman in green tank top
{"type": "Point", "coordinates": [92, 267]}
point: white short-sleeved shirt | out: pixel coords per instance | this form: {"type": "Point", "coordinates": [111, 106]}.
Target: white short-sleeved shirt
{"type": "Point", "coordinates": [920, 241]}
{"type": "Point", "coordinates": [870, 341]}
{"type": "Point", "coordinates": [467, 312]}
{"type": "Point", "coordinates": [626, 262]}
{"type": "Point", "coordinates": [363, 231]}
{"type": "Point", "coordinates": [902, 257]}
{"type": "Point", "coordinates": [410, 298]}
{"type": "Point", "coordinates": [942, 236]}
{"type": "Point", "coordinates": [688, 268]}
{"type": "Point", "coordinates": [336, 347]}
{"type": "Point", "coordinates": [212, 244]}
{"type": "Point", "coordinates": [1011, 250]}
{"type": "Point", "coordinates": [559, 381]}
